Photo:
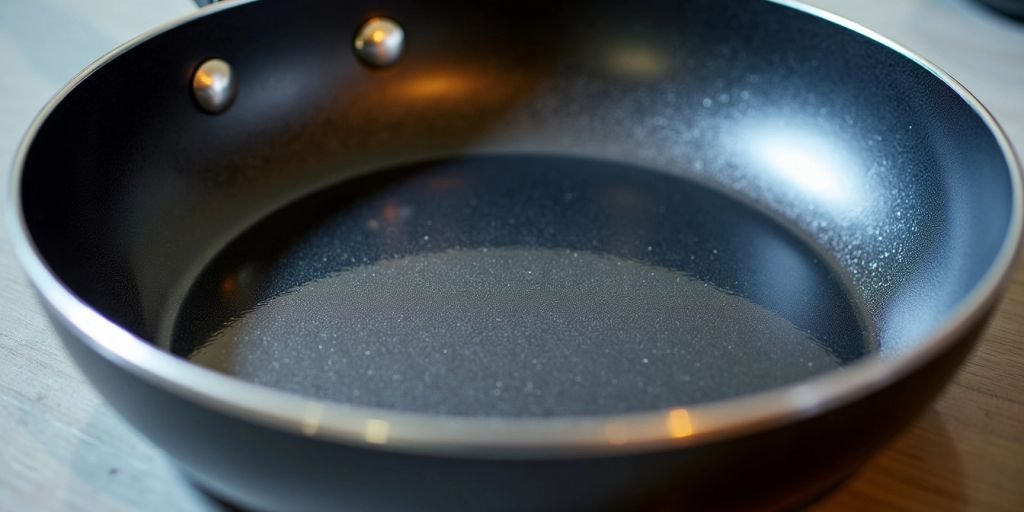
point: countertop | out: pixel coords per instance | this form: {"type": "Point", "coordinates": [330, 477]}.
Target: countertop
{"type": "Point", "coordinates": [62, 448]}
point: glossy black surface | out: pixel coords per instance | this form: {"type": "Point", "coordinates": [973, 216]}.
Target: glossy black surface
{"type": "Point", "coordinates": [521, 286]}
{"type": "Point", "coordinates": [128, 190]}
{"type": "Point", "coordinates": [1012, 8]}
{"type": "Point", "coordinates": [859, 148]}
{"type": "Point", "coordinates": [263, 469]}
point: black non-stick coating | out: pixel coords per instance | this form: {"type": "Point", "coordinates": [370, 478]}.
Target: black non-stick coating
{"type": "Point", "coordinates": [130, 189]}
{"type": "Point", "coordinates": [872, 162]}
{"type": "Point", "coordinates": [520, 286]}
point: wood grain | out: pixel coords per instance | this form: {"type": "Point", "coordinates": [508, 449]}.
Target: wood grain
{"type": "Point", "coordinates": [62, 448]}
{"type": "Point", "coordinates": [967, 452]}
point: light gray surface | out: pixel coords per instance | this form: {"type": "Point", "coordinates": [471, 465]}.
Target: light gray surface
{"type": "Point", "coordinates": [63, 449]}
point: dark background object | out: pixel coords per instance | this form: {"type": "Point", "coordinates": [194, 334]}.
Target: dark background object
{"type": "Point", "coordinates": [1012, 8]}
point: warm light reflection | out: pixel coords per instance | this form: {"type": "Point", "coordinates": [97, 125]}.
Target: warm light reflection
{"type": "Point", "coordinates": [470, 89]}
{"type": "Point", "coordinates": [632, 60]}
{"type": "Point", "coordinates": [204, 79]}
{"type": "Point", "coordinates": [819, 166]}
{"type": "Point", "coordinates": [616, 433]}
{"type": "Point", "coordinates": [436, 85]}
{"type": "Point", "coordinates": [311, 420]}
{"type": "Point", "coordinates": [678, 423]}
{"type": "Point", "coordinates": [379, 36]}
{"type": "Point", "coordinates": [391, 212]}
{"type": "Point", "coordinates": [376, 431]}
{"type": "Point", "coordinates": [229, 285]}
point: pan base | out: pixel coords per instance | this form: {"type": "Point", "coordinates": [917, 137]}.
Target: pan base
{"type": "Point", "coordinates": [520, 286]}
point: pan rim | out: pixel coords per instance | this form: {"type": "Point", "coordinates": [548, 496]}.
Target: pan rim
{"type": "Point", "coordinates": [468, 436]}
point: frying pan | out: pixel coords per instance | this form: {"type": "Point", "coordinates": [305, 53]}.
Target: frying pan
{"type": "Point", "coordinates": [399, 254]}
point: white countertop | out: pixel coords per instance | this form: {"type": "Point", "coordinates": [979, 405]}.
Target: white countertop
{"type": "Point", "coordinates": [62, 448]}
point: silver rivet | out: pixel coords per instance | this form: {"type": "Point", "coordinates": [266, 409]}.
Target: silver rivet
{"type": "Point", "coordinates": [379, 42]}
{"type": "Point", "coordinates": [214, 86]}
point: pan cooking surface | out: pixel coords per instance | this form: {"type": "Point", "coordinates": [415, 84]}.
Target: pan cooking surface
{"type": "Point", "coordinates": [520, 286]}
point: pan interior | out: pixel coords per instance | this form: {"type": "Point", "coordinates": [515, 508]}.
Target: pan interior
{"type": "Point", "coordinates": [128, 191]}
{"type": "Point", "coordinates": [515, 285]}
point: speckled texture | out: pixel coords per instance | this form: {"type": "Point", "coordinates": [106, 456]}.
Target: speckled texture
{"type": "Point", "coordinates": [520, 286]}
{"type": "Point", "coordinates": [884, 167]}
{"type": "Point", "coordinates": [136, 186]}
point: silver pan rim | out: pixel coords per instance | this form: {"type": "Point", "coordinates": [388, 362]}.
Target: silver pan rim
{"type": "Point", "coordinates": [433, 434]}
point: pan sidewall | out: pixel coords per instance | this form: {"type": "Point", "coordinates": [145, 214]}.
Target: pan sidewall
{"type": "Point", "coordinates": [262, 468]}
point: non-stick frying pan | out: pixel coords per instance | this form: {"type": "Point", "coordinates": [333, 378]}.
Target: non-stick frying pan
{"type": "Point", "coordinates": [400, 254]}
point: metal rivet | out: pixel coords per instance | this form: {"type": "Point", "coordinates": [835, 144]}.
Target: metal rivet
{"type": "Point", "coordinates": [379, 42]}
{"type": "Point", "coordinates": [214, 86]}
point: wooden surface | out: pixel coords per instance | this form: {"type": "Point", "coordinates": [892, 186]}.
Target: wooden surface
{"type": "Point", "coordinates": [61, 448]}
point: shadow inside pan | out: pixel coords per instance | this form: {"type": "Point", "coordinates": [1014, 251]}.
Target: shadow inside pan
{"type": "Point", "coordinates": [520, 286]}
